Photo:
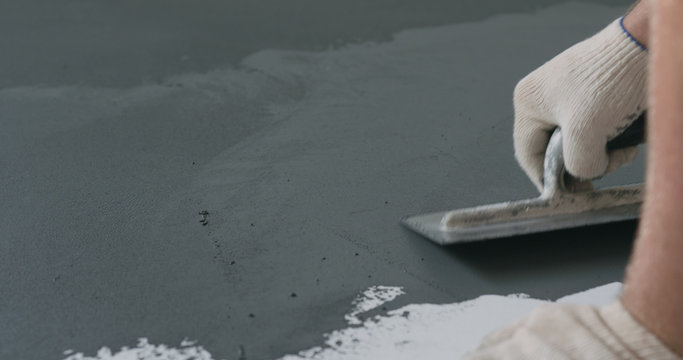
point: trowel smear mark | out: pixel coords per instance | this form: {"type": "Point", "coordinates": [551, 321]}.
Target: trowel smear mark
{"type": "Point", "coordinates": [362, 75]}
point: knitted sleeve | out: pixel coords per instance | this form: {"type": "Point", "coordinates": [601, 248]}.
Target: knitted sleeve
{"type": "Point", "coordinates": [574, 332]}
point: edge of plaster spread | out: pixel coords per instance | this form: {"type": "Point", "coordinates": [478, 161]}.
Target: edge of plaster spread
{"type": "Point", "coordinates": [433, 331]}
{"type": "Point", "coordinates": [372, 298]}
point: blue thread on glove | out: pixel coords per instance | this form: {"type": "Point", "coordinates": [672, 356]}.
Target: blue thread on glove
{"type": "Point", "coordinates": [621, 23]}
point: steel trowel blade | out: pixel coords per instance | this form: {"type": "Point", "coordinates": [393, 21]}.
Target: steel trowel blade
{"type": "Point", "coordinates": [529, 216]}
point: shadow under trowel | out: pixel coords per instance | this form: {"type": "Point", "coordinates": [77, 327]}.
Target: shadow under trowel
{"type": "Point", "coordinates": [570, 248]}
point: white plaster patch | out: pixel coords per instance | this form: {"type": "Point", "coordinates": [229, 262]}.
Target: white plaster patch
{"type": "Point", "coordinates": [188, 350]}
{"type": "Point", "coordinates": [371, 298]}
{"type": "Point", "coordinates": [429, 331]}
{"type": "Point", "coordinates": [416, 331]}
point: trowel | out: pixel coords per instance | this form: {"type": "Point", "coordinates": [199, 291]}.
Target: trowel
{"type": "Point", "coordinates": [565, 202]}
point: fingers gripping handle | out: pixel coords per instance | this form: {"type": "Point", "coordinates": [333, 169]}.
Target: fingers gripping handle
{"type": "Point", "coordinates": [555, 177]}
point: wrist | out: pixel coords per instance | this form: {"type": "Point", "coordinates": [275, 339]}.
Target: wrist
{"type": "Point", "coordinates": [631, 334]}
{"type": "Point", "coordinates": [636, 24]}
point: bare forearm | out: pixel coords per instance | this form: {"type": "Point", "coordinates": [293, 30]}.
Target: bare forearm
{"type": "Point", "coordinates": [637, 21]}
{"type": "Point", "coordinates": [654, 284]}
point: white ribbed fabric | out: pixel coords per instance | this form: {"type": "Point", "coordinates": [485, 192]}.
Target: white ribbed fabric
{"type": "Point", "coordinates": [593, 91]}
{"type": "Point", "coordinates": [575, 332]}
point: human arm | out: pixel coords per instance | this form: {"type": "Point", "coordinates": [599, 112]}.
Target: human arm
{"type": "Point", "coordinates": [654, 283]}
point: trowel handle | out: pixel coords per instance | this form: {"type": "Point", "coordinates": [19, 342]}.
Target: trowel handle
{"type": "Point", "coordinates": [634, 135]}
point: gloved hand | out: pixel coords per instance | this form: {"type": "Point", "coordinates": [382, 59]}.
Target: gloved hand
{"type": "Point", "coordinates": [593, 91]}
{"type": "Point", "coordinates": [574, 332]}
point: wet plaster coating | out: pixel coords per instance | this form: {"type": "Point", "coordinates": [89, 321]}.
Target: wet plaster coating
{"type": "Point", "coordinates": [246, 205]}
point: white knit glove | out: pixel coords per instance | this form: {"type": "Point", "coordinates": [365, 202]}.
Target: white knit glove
{"type": "Point", "coordinates": [593, 91]}
{"type": "Point", "coordinates": [565, 332]}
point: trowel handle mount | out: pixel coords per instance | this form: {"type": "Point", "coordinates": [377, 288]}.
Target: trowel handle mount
{"type": "Point", "coordinates": [634, 135]}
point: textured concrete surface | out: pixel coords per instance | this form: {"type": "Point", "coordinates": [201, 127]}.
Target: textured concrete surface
{"type": "Point", "coordinates": [304, 129]}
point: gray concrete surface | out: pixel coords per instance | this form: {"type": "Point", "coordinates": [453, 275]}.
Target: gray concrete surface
{"type": "Point", "coordinates": [306, 129]}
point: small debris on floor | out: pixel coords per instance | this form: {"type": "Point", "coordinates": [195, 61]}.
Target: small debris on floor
{"type": "Point", "coordinates": [205, 217]}
{"type": "Point", "coordinates": [293, 295]}
{"type": "Point", "coordinates": [251, 315]}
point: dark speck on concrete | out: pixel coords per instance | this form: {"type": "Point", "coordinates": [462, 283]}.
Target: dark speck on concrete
{"type": "Point", "coordinates": [324, 258]}
{"type": "Point", "coordinates": [232, 262]}
{"type": "Point", "coordinates": [205, 217]}
{"type": "Point", "coordinates": [356, 254]}
{"type": "Point", "coordinates": [251, 315]}
{"type": "Point", "coordinates": [293, 295]}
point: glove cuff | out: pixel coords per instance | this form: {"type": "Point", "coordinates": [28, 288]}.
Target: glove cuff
{"type": "Point", "coordinates": [615, 49]}
{"type": "Point", "coordinates": [631, 335]}
{"type": "Point", "coordinates": [628, 34]}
